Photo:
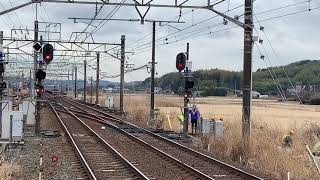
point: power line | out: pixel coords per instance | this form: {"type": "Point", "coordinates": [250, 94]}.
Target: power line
{"type": "Point", "coordinates": [276, 54]}
{"type": "Point", "coordinates": [147, 47]}
{"type": "Point", "coordinates": [188, 27]}
{"type": "Point", "coordinates": [160, 27]}
{"type": "Point", "coordinates": [88, 25]}
{"type": "Point", "coordinates": [110, 15]}
{"type": "Point", "coordinates": [272, 76]}
{"type": "Point", "coordinates": [289, 14]}
{"type": "Point", "coordinates": [282, 7]}
{"type": "Point", "coordinates": [190, 37]}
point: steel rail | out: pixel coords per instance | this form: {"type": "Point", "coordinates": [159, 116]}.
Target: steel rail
{"type": "Point", "coordinates": [113, 150]}
{"type": "Point", "coordinates": [75, 146]}
{"type": "Point", "coordinates": [199, 154]}
{"type": "Point", "coordinates": [177, 161]}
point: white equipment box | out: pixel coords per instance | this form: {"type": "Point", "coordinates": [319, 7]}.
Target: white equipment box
{"type": "Point", "coordinates": [109, 102]}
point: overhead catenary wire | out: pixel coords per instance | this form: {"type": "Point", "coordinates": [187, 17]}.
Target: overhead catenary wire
{"type": "Point", "coordinates": [277, 82]}
{"type": "Point", "coordinates": [105, 20]}
{"type": "Point", "coordinates": [272, 73]}
{"type": "Point", "coordinates": [158, 28]}
{"type": "Point", "coordinates": [272, 76]}
{"type": "Point", "coordinates": [190, 37]}
{"type": "Point", "coordinates": [188, 27]}
{"type": "Point", "coordinates": [276, 54]}
{"type": "Point", "coordinates": [275, 17]}
{"type": "Point", "coordinates": [96, 14]}
{"type": "Point", "coordinates": [263, 12]}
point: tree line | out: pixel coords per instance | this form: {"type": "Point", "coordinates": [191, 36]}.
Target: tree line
{"type": "Point", "coordinates": [217, 82]}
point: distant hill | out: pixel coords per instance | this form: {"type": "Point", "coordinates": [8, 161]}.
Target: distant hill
{"type": "Point", "coordinates": [306, 72]}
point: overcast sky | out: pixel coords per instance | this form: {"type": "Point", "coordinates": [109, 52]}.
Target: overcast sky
{"type": "Point", "coordinates": [295, 37]}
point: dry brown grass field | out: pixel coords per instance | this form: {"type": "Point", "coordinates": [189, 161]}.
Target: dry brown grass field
{"type": "Point", "coordinates": [7, 170]}
{"type": "Point", "coordinates": [271, 120]}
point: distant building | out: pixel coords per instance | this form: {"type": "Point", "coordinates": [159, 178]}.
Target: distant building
{"type": "Point", "coordinates": [254, 94]}
{"type": "Point", "coordinates": [263, 96]}
{"type": "Point", "coordinates": [114, 90]}
{"type": "Point", "coordinates": [107, 90]}
{"type": "Point", "coordinates": [297, 89]}
{"type": "Point", "coordinates": [157, 90]}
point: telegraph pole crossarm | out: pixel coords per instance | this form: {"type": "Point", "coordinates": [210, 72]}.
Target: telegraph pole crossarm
{"type": "Point", "coordinates": [237, 22]}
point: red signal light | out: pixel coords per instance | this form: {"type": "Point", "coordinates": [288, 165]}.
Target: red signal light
{"type": "Point", "coordinates": [181, 61]}
{"type": "Point", "coordinates": [47, 57]}
{"type": "Point", "coordinates": [40, 89]}
{"type": "Point", "coordinates": [47, 51]}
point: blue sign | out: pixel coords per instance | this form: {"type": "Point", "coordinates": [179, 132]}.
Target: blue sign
{"type": "Point", "coordinates": [40, 62]}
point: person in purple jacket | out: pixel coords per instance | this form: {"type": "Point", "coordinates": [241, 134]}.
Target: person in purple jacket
{"type": "Point", "coordinates": [195, 115]}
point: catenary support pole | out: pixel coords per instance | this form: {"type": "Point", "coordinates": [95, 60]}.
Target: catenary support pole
{"type": "Point", "coordinates": [68, 82]}
{"type": "Point", "coordinates": [97, 78]}
{"type": "Point", "coordinates": [153, 71]}
{"type": "Point", "coordinates": [2, 64]}
{"type": "Point", "coordinates": [85, 81]}
{"type": "Point", "coordinates": [247, 73]}
{"type": "Point", "coordinates": [123, 44]}
{"type": "Point", "coordinates": [72, 79]}
{"type": "Point", "coordinates": [75, 82]}
{"type": "Point", "coordinates": [91, 90]}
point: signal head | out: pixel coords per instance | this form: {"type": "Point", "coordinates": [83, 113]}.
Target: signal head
{"type": "Point", "coordinates": [39, 89]}
{"type": "Point", "coordinates": [181, 61]}
{"type": "Point", "coordinates": [40, 74]}
{"type": "Point", "coordinates": [47, 52]}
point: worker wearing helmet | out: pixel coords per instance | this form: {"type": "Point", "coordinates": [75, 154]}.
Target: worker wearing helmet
{"type": "Point", "coordinates": [287, 140]}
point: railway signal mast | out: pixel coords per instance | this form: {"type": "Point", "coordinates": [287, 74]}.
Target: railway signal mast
{"type": "Point", "coordinates": [183, 64]}
{"type": "Point", "coordinates": [40, 74]}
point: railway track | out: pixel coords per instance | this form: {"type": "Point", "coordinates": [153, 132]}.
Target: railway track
{"type": "Point", "coordinates": [99, 159]}
{"type": "Point", "coordinates": [205, 165]}
{"type": "Point", "coordinates": [151, 161]}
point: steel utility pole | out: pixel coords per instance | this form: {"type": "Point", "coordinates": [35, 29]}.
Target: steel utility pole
{"type": "Point", "coordinates": [123, 44]}
{"type": "Point", "coordinates": [153, 61]}
{"type": "Point", "coordinates": [85, 81]}
{"type": "Point", "coordinates": [91, 90]}
{"type": "Point", "coordinates": [30, 83]}
{"type": "Point", "coordinates": [75, 82]}
{"type": "Point", "coordinates": [247, 73]}
{"type": "Point", "coordinates": [185, 105]}
{"type": "Point", "coordinates": [68, 82]}
{"type": "Point", "coordinates": [1, 75]}
{"type": "Point", "coordinates": [72, 78]}
{"type": "Point", "coordinates": [97, 78]}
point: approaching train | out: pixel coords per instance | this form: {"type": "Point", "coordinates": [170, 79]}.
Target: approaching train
{"type": "Point", "coordinates": [53, 89]}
